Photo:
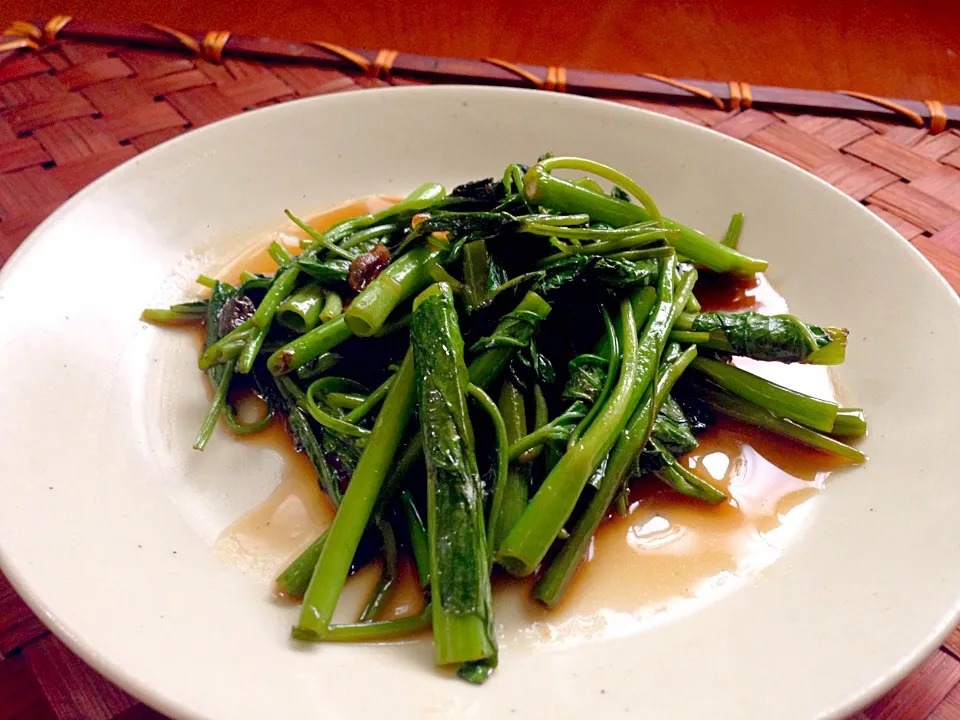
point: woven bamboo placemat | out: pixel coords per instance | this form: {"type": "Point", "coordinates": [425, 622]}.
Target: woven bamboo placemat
{"type": "Point", "coordinates": [74, 105]}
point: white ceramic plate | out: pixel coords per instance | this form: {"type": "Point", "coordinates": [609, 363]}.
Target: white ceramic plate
{"type": "Point", "coordinates": [107, 518]}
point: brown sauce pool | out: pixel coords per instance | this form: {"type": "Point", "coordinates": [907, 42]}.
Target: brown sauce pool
{"type": "Point", "coordinates": [668, 550]}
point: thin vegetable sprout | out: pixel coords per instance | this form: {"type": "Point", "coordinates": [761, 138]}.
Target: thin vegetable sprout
{"type": "Point", "coordinates": [478, 377]}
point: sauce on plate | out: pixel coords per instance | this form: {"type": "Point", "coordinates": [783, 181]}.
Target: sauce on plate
{"type": "Point", "coordinates": [668, 549]}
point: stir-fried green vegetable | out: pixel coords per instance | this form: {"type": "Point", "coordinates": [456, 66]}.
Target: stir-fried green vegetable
{"type": "Point", "coordinates": [478, 376]}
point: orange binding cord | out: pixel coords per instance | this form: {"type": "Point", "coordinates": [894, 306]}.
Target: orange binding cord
{"type": "Point", "coordinates": [888, 104]}
{"type": "Point", "coordinates": [519, 71]}
{"type": "Point", "coordinates": [382, 63]}
{"type": "Point", "coordinates": [736, 99]}
{"type": "Point", "coordinates": [24, 29]}
{"type": "Point", "coordinates": [741, 97]}
{"type": "Point", "coordinates": [938, 116]}
{"type": "Point", "coordinates": [361, 62]}
{"type": "Point", "coordinates": [53, 26]}
{"type": "Point", "coordinates": [212, 45]}
{"type": "Point", "coordinates": [556, 79]}
{"type": "Point", "coordinates": [188, 42]}
{"type": "Point", "coordinates": [22, 43]}
{"type": "Point", "coordinates": [680, 85]}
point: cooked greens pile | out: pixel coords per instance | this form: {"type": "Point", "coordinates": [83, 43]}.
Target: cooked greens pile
{"type": "Point", "coordinates": [476, 376]}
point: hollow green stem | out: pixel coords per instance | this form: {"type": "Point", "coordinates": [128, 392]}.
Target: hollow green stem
{"type": "Point", "coordinates": [379, 631]}
{"type": "Point", "coordinates": [542, 188]}
{"type": "Point", "coordinates": [305, 348]}
{"type": "Point", "coordinates": [320, 239]}
{"type": "Point", "coordinates": [357, 504]}
{"type": "Point", "coordinates": [402, 279]}
{"type": "Point", "coordinates": [684, 480]}
{"type": "Point", "coordinates": [419, 543]}
{"type": "Point", "coordinates": [332, 306]}
{"type": "Point", "coordinates": [294, 580]}
{"type": "Point", "coordinates": [608, 173]}
{"type": "Point", "coordinates": [555, 579]}
{"type": "Point", "coordinates": [227, 347]}
{"type": "Point", "coordinates": [797, 406]}
{"type": "Point", "coordinates": [308, 402]}
{"type": "Point", "coordinates": [187, 313]}
{"type": "Point", "coordinates": [278, 253]}
{"type": "Point", "coordinates": [301, 311]}
{"type": "Point", "coordinates": [368, 234]}
{"type": "Point", "coordinates": [850, 422]}
{"type": "Point", "coordinates": [370, 401]}
{"type": "Point", "coordinates": [733, 231]}
{"type": "Point", "coordinates": [459, 565]}
{"type": "Point", "coordinates": [215, 410]}
{"type": "Point", "coordinates": [500, 481]}
{"type": "Point", "coordinates": [751, 414]}
{"type": "Point", "coordinates": [516, 486]}
{"type": "Point", "coordinates": [531, 537]}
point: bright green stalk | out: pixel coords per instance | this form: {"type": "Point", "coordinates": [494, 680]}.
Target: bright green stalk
{"type": "Point", "coordinates": [608, 173]}
{"type": "Point", "coordinates": [301, 311]}
{"type": "Point", "coordinates": [307, 401]}
{"type": "Point", "coordinates": [186, 313]}
{"type": "Point", "coordinates": [332, 306]}
{"type": "Point", "coordinates": [542, 188]}
{"type": "Point", "coordinates": [370, 402]}
{"type": "Point", "coordinates": [516, 487]}
{"type": "Point", "coordinates": [733, 231]}
{"type": "Point", "coordinates": [306, 347]}
{"type": "Point", "coordinates": [459, 566]}
{"type": "Point", "coordinates": [682, 479]}
{"type": "Point", "coordinates": [541, 416]}
{"type": "Point", "coordinates": [402, 279]}
{"type": "Point", "coordinates": [320, 365]}
{"type": "Point", "coordinates": [250, 351]}
{"type": "Point", "coordinates": [476, 271]}
{"type": "Point", "coordinates": [797, 406]}
{"type": "Point", "coordinates": [264, 314]}
{"type": "Point", "coordinates": [277, 293]}
{"type": "Point", "coordinates": [293, 581]}
{"type": "Point", "coordinates": [500, 483]}
{"type": "Point", "coordinates": [344, 400]}
{"type": "Point", "coordinates": [641, 244]}
{"type": "Point", "coordinates": [357, 505]}
{"type": "Point", "coordinates": [215, 409]}
{"type": "Point", "coordinates": [751, 414]}
{"type": "Point", "coordinates": [379, 631]}
{"type": "Point", "coordinates": [531, 537]}
{"type": "Point", "coordinates": [422, 198]}
{"type": "Point", "coordinates": [850, 422]}
{"type": "Point", "coordinates": [371, 233]}
{"type": "Point", "coordinates": [278, 253]}
{"type": "Point", "coordinates": [419, 543]}
{"type": "Point", "coordinates": [225, 348]}
{"type": "Point", "coordinates": [552, 583]}
{"type": "Point", "coordinates": [320, 239]}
